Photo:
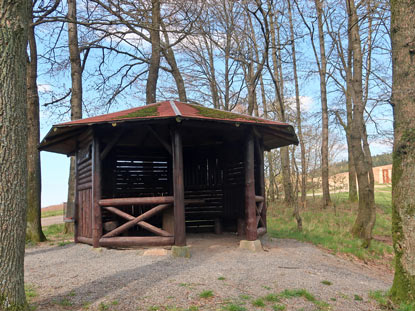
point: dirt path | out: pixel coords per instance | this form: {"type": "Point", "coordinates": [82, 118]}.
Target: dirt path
{"type": "Point", "coordinates": [76, 277]}
{"type": "Point", "coordinates": [47, 221]}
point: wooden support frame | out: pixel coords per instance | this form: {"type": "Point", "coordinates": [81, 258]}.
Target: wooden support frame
{"type": "Point", "coordinates": [96, 192]}
{"type": "Point", "coordinates": [136, 201]}
{"type": "Point", "coordinates": [262, 206]}
{"type": "Point", "coordinates": [136, 241]}
{"type": "Point", "coordinates": [136, 220]}
{"type": "Point", "coordinates": [178, 189]}
{"type": "Point", "coordinates": [76, 207]}
{"type": "Point", "coordinates": [160, 139]}
{"type": "Point", "coordinates": [250, 200]}
{"type": "Point", "coordinates": [111, 144]}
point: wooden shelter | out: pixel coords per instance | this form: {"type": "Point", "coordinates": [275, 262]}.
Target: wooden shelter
{"type": "Point", "coordinates": [148, 175]}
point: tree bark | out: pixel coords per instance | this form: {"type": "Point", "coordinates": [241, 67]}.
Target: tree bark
{"type": "Point", "coordinates": [76, 100]}
{"type": "Point", "coordinates": [366, 216]}
{"type": "Point", "coordinates": [403, 181]}
{"type": "Point", "coordinates": [298, 116]}
{"type": "Point", "coordinates": [153, 70]}
{"type": "Point", "coordinates": [13, 146]}
{"type": "Point", "coordinates": [171, 60]}
{"type": "Point", "coordinates": [34, 228]}
{"type": "Point", "coordinates": [279, 92]}
{"type": "Point", "coordinates": [324, 109]}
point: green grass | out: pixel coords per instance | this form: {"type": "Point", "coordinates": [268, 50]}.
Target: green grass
{"type": "Point", "coordinates": [380, 297]}
{"type": "Point", "coordinates": [233, 307]}
{"type": "Point", "coordinates": [221, 278]}
{"type": "Point", "coordinates": [52, 213]}
{"type": "Point", "coordinates": [278, 307]}
{"type": "Point", "coordinates": [358, 298]}
{"type": "Point", "coordinates": [30, 292]}
{"type": "Point", "coordinates": [272, 298]}
{"type": "Point", "coordinates": [330, 228]}
{"type": "Point", "coordinates": [206, 294]}
{"type": "Point", "coordinates": [325, 282]}
{"type": "Point", "coordinates": [56, 233]}
{"type": "Point", "coordinates": [258, 303]}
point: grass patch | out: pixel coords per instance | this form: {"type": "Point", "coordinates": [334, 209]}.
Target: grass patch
{"type": "Point", "coordinates": [233, 307]}
{"type": "Point", "coordinates": [330, 228]}
{"type": "Point", "coordinates": [380, 297]}
{"type": "Point", "coordinates": [149, 111]}
{"type": "Point", "coordinates": [30, 292]}
{"type": "Point", "coordinates": [358, 298]}
{"type": "Point", "coordinates": [272, 298]}
{"type": "Point", "coordinates": [244, 297]}
{"type": "Point", "coordinates": [325, 282]}
{"type": "Point", "coordinates": [221, 278]}
{"type": "Point", "coordinates": [51, 213]}
{"type": "Point", "coordinates": [407, 307]}
{"type": "Point", "coordinates": [206, 294]}
{"type": "Point", "coordinates": [258, 303]}
{"type": "Point", "coordinates": [56, 233]}
{"type": "Point", "coordinates": [278, 307]}
{"type": "Point", "coordinates": [296, 293]}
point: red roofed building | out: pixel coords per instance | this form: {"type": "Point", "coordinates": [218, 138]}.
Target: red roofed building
{"type": "Point", "coordinates": [147, 175]}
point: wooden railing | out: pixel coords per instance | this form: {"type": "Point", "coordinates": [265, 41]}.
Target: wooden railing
{"type": "Point", "coordinates": [162, 237]}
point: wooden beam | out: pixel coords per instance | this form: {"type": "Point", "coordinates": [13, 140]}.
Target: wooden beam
{"type": "Point", "coordinates": [136, 201]}
{"type": "Point", "coordinates": [84, 240]}
{"type": "Point", "coordinates": [136, 241]}
{"type": "Point", "coordinates": [259, 198]}
{"type": "Point", "coordinates": [250, 204]}
{"type": "Point", "coordinates": [136, 220]}
{"type": "Point", "coordinates": [111, 144]}
{"type": "Point", "coordinates": [76, 207]}
{"type": "Point", "coordinates": [160, 139]}
{"type": "Point", "coordinates": [261, 177]}
{"type": "Point", "coordinates": [142, 224]}
{"type": "Point", "coordinates": [178, 189]}
{"type": "Point", "coordinates": [96, 193]}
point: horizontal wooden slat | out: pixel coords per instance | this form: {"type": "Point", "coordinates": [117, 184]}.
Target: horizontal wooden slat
{"type": "Point", "coordinates": [136, 241]}
{"type": "Point", "coordinates": [136, 201]}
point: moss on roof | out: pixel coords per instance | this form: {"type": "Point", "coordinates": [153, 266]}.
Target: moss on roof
{"type": "Point", "coordinates": [221, 114]}
{"type": "Point", "coordinates": [150, 111]}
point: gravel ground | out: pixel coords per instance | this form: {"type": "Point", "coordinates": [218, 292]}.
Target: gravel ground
{"type": "Point", "coordinates": [77, 277]}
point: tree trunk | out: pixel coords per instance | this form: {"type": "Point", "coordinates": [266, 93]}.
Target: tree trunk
{"type": "Point", "coordinates": [34, 228]}
{"type": "Point", "coordinates": [171, 60]}
{"type": "Point", "coordinates": [13, 146]}
{"type": "Point", "coordinates": [279, 92]}
{"type": "Point", "coordinates": [76, 101]}
{"type": "Point", "coordinates": [298, 116]}
{"type": "Point", "coordinates": [153, 70]}
{"type": "Point", "coordinates": [324, 109]}
{"type": "Point", "coordinates": [352, 172]}
{"type": "Point", "coordinates": [366, 216]}
{"type": "Point", "coordinates": [403, 181]}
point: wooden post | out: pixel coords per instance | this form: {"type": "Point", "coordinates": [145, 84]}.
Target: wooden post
{"type": "Point", "coordinates": [250, 204]}
{"type": "Point", "coordinates": [178, 189]}
{"type": "Point", "coordinates": [96, 193]}
{"type": "Point", "coordinates": [262, 179]}
{"type": "Point", "coordinates": [76, 207]}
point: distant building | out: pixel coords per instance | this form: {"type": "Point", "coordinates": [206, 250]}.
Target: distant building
{"type": "Point", "coordinates": [383, 174]}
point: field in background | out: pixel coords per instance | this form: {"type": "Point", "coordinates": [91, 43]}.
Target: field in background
{"type": "Point", "coordinates": [53, 210]}
{"type": "Point", "coordinates": [330, 228]}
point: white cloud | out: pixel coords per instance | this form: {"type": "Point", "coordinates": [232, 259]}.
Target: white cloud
{"type": "Point", "coordinates": [306, 103]}
{"type": "Point", "coordinates": [44, 88]}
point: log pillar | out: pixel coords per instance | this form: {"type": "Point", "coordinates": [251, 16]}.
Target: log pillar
{"type": "Point", "coordinates": [178, 189]}
{"type": "Point", "coordinates": [96, 193]}
{"type": "Point", "coordinates": [76, 207]}
{"type": "Point", "coordinates": [261, 177]}
{"type": "Point", "coordinates": [250, 203]}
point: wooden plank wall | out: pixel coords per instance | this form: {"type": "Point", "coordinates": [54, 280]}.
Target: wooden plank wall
{"type": "Point", "coordinates": [84, 186]}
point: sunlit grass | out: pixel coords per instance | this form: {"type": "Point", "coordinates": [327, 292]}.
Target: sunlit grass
{"type": "Point", "coordinates": [330, 228]}
{"type": "Point", "coordinates": [51, 213]}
